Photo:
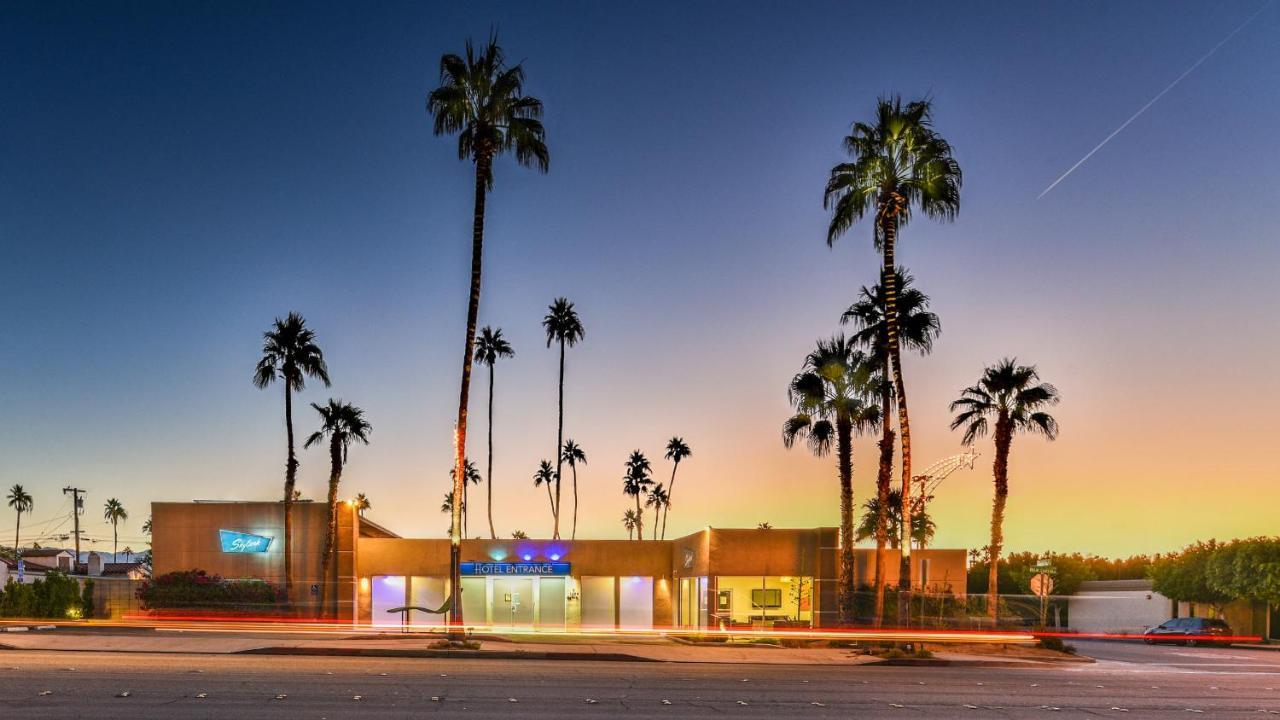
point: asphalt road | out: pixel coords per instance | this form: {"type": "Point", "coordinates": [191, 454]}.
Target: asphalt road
{"type": "Point", "coordinates": [39, 684]}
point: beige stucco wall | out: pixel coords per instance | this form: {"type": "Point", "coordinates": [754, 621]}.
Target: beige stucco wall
{"type": "Point", "coordinates": [184, 536]}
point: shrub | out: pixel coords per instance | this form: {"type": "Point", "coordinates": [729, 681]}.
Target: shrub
{"type": "Point", "coordinates": [1049, 642]}
{"type": "Point", "coordinates": [55, 596]}
{"type": "Point", "coordinates": [197, 590]}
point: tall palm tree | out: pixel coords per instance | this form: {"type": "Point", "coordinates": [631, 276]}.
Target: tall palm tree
{"type": "Point", "coordinates": [899, 163]}
{"type": "Point", "coordinates": [482, 100]}
{"type": "Point", "coordinates": [1012, 396]}
{"type": "Point", "coordinates": [833, 395]}
{"type": "Point", "coordinates": [918, 327]}
{"type": "Point", "coordinates": [922, 525]}
{"type": "Point", "coordinates": [290, 354]}
{"type": "Point", "coordinates": [564, 327]}
{"type": "Point", "coordinates": [630, 520]}
{"type": "Point", "coordinates": [344, 424]}
{"type": "Point", "coordinates": [572, 454]}
{"type": "Point", "coordinates": [362, 504]}
{"type": "Point", "coordinates": [658, 499]}
{"type": "Point", "coordinates": [113, 512]}
{"type": "Point", "coordinates": [635, 482]}
{"type": "Point", "coordinates": [491, 346]}
{"type": "Point", "coordinates": [146, 526]}
{"type": "Point", "coordinates": [21, 502]}
{"type": "Point", "coordinates": [546, 475]}
{"type": "Point", "coordinates": [677, 450]}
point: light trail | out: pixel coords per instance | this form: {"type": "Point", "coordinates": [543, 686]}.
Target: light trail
{"type": "Point", "coordinates": [1153, 100]}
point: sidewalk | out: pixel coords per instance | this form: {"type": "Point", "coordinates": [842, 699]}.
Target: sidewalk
{"type": "Point", "coordinates": [640, 650]}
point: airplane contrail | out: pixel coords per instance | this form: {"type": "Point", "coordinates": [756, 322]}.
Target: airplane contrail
{"type": "Point", "coordinates": [1153, 100]}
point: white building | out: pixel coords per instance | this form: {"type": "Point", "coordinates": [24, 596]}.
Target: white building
{"type": "Point", "coordinates": [1117, 606]}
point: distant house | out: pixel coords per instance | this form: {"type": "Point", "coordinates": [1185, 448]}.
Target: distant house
{"type": "Point", "coordinates": [9, 571]}
{"type": "Point", "coordinates": [52, 558]}
{"type": "Point", "coordinates": [98, 567]}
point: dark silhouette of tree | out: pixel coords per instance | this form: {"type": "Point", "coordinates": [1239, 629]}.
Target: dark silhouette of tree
{"type": "Point", "coordinates": [482, 100]}
{"type": "Point", "coordinates": [899, 163]}
{"type": "Point", "coordinates": [290, 355]}
{"type": "Point", "coordinates": [1011, 396]}
{"type": "Point", "coordinates": [572, 454]}
{"type": "Point", "coordinates": [343, 424]}
{"type": "Point", "coordinates": [491, 346]}
{"type": "Point", "coordinates": [635, 483]}
{"type": "Point", "coordinates": [563, 326]}
{"type": "Point", "coordinates": [677, 450]}
{"type": "Point", "coordinates": [833, 396]}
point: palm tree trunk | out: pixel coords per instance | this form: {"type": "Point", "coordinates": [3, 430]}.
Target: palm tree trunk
{"type": "Point", "coordinates": [670, 491]}
{"type": "Point", "coordinates": [290, 481]}
{"type": "Point", "coordinates": [331, 529]}
{"type": "Point", "coordinates": [484, 162]}
{"type": "Point", "coordinates": [488, 471]}
{"type": "Point", "coordinates": [890, 207]}
{"type": "Point", "coordinates": [17, 533]}
{"type": "Point", "coordinates": [882, 512]}
{"type": "Point", "coordinates": [1000, 468]}
{"type": "Point", "coordinates": [639, 520]}
{"type": "Point", "coordinates": [844, 591]}
{"type": "Point", "coordinates": [559, 443]}
{"type": "Point", "coordinates": [115, 539]}
{"type": "Point", "coordinates": [574, 533]}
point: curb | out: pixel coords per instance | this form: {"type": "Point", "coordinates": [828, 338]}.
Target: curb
{"type": "Point", "coordinates": [452, 654]}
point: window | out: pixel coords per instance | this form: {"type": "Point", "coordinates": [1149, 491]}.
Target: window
{"type": "Point", "coordinates": [766, 598]}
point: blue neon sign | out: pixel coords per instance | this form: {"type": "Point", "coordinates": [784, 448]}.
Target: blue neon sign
{"type": "Point", "coordinates": [238, 542]}
{"type": "Point", "coordinates": [520, 568]}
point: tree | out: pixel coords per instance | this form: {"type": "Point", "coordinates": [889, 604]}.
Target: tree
{"type": "Point", "coordinates": [630, 520]}
{"type": "Point", "coordinates": [21, 502]}
{"type": "Point", "coordinates": [677, 450]}
{"type": "Point", "coordinates": [635, 483]}
{"type": "Point", "coordinates": [922, 525]}
{"type": "Point", "coordinates": [1011, 395]}
{"type": "Point", "coordinates": [658, 500]}
{"type": "Point", "coordinates": [1184, 576]}
{"type": "Point", "coordinates": [290, 355]}
{"type": "Point", "coordinates": [519, 535]}
{"type": "Point", "coordinates": [113, 512]}
{"type": "Point", "coordinates": [917, 329]}
{"type": "Point", "coordinates": [473, 478]}
{"type": "Point", "coordinates": [483, 102]}
{"type": "Point", "coordinates": [764, 526]}
{"type": "Point", "coordinates": [545, 475]}
{"type": "Point", "coordinates": [572, 454]}
{"type": "Point", "coordinates": [146, 526]}
{"type": "Point", "coordinates": [1247, 569]}
{"type": "Point", "coordinates": [899, 163]}
{"type": "Point", "coordinates": [362, 504]}
{"type": "Point", "coordinates": [563, 326]}
{"type": "Point", "coordinates": [489, 348]}
{"type": "Point", "coordinates": [833, 398]}
{"type": "Point", "coordinates": [343, 424]}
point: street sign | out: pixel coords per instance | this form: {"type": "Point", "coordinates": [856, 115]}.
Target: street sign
{"type": "Point", "coordinates": [1041, 585]}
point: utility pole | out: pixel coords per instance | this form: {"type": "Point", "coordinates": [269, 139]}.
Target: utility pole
{"type": "Point", "coordinates": [77, 507]}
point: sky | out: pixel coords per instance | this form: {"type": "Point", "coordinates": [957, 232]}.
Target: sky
{"type": "Point", "coordinates": [173, 176]}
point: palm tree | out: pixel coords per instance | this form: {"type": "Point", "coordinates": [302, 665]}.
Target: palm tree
{"type": "Point", "coordinates": [491, 346]}
{"type": "Point", "coordinates": [563, 326]}
{"type": "Point", "coordinates": [362, 504]}
{"type": "Point", "coordinates": [657, 499]}
{"type": "Point", "coordinates": [290, 354]}
{"type": "Point", "coordinates": [922, 525]}
{"type": "Point", "coordinates": [519, 535]}
{"type": "Point", "coordinates": [545, 475]}
{"type": "Point", "coordinates": [1012, 396]}
{"type": "Point", "coordinates": [473, 478]}
{"type": "Point", "coordinates": [483, 101]}
{"type": "Point", "coordinates": [634, 483]}
{"type": "Point", "coordinates": [630, 520]}
{"type": "Point", "coordinates": [677, 450]}
{"type": "Point", "coordinates": [918, 327]}
{"type": "Point", "coordinates": [898, 163]}
{"type": "Point", "coordinates": [344, 424]}
{"type": "Point", "coordinates": [21, 502]}
{"type": "Point", "coordinates": [128, 553]}
{"type": "Point", "coordinates": [113, 512]}
{"type": "Point", "coordinates": [572, 454]}
{"type": "Point", "coordinates": [832, 396]}
{"type": "Point", "coordinates": [146, 526]}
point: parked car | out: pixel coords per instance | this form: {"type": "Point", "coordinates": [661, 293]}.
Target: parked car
{"type": "Point", "coordinates": [1189, 631]}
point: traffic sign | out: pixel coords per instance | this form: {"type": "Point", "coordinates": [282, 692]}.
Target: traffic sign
{"type": "Point", "coordinates": [1041, 585]}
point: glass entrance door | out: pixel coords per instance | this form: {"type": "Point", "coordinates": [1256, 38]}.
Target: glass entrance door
{"type": "Point", "coordinates": [551, 603]}
{"type": "Point", "coordinates": [513, 602]}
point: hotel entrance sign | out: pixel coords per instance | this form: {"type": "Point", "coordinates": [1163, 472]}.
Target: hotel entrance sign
{"type": "Point", "coordinates": [520, 568]}
{"type": "Point", "coordinates": [238, 542]}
